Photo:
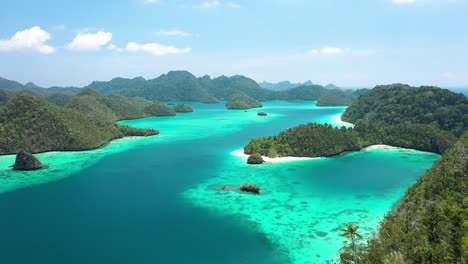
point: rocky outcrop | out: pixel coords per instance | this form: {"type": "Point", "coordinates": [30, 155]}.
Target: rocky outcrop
{"type": "Point", "coordinates": [26, 161]}
{"type": "Point", "coordinates": [262, 114]}
{"type": "Point", "coordinates": [250, 187]}
{"type": "Point", "coordinates": [255, 159]}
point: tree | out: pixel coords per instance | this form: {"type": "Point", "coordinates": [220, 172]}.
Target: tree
{"type": "Point", "coordinates": [350, 231]}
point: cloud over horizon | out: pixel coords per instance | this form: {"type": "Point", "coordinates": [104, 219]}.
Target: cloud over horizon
{"type": "Point", "coordinates": [90, 41]}
{"type": "Point", "coordinates": [32, 39]}
{"type": "Point", "coordinates": [156, 49]}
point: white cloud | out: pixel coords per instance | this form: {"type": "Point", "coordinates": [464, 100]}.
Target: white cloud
{"type": "Point", "coordinates": [30, 39]}
{"type": "Point", "coordinates": [173, 33]}
{"type": "Point", "coordinates": [156, 49]}
{"type": "Point", "coordinates": [146, 2]}
{"type": "Point", "coordinates": [403, 2]}
{"type": "Point", "coordinates": [89, 41]}
{"type": "Point", "coordinates": [114, 48]}
{"type": "Point", "coordinates": [329, 51]}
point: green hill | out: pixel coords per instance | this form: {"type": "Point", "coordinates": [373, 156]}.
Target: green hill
{"type": "Point", "coordinates": [430, 224]}
{"type": "Point", "coordinates": [242, 101]}
{"type": "Point", "coordinates": [31, 123]}
{"type": "Point", "coordinates": [427, 118]}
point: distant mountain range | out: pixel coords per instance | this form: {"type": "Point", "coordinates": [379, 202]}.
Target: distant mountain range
{"type": "Point", "coordinates": [285, 85]}
{"type": "Point", "coordinates": [184, 86]}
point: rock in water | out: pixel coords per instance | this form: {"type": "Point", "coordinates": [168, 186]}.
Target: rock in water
{"type": "Point", "coordinates": [26, 161]}
{"type": "Point", "coordinates": [255, 159]}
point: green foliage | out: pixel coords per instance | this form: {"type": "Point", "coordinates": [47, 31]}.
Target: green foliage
{"type": "Point", "coordinates": [425, 118]}
{"type": "Point", "coordinates": [255, 159]}
{"type": "Point", "coordinates": [306, 93]}
{"type": "Point", "coordinates": [159, 109]}
{"type": "Point", "coordinates": [311, 140]}
{"type": "Point", "coordinates": [250, 187]}
{"type": "Point", "coordinates": [336, 98]}
{"type": "Point", "coordinates": [430, 223]}
{"type": "Point", "coordinates": [242, 101]}
{"type": "Point", "coordinates": [211, 100]}
{"type": "Point", "coordinates": [29, 122]}
{"type": "Point", "coordinates": [59, 99]}
{"type": "Point", "coordinates": [397, 104]}
{"type": "Point", "coordinates": [183, 108]}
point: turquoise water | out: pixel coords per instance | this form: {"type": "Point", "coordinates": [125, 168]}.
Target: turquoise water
{"type": "Point", "coordinates": [157, 199]}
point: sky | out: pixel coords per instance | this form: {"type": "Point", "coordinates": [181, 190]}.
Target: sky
{"type": "Point", "coordinates": [348, 43]}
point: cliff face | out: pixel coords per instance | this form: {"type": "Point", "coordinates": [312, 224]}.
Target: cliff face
{"type": "Point", "coordinates": [26, 161]}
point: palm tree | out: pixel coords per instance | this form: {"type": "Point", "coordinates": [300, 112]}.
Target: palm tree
{"type": "Point", "coordinates": [351, 232]}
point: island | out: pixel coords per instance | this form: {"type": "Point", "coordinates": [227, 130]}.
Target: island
{"type": "Point", "coordinates": [255, 159]}
{"type": "Point", "coordinates": [183, 108]}
{"type": "Point", "coordinates": [250, 187]}
{"type": "Point", "coordinates": [242, 102]}
{"type": "Point", "coordinates": [262, 114]}
{"type": "Point", "coordinates": [26, 161]}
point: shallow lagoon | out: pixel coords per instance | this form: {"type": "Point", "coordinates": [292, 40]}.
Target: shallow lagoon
{"type": "Point", "coordinates": [157, 199]}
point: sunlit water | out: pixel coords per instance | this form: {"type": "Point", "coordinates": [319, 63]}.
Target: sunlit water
{"type": "Point", "coordinates": [158, 199]}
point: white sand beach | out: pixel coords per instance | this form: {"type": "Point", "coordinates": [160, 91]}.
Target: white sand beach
{"type": "Point", "coordinates": [240, 153]}
{"type": "Point", "coordinates": [337, 120]}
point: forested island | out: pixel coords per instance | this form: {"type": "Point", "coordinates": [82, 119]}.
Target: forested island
{"type": "Point", "coordinates": [388, 115]}
{"type": "Point", "coordinates": [242, 101]}
{"type": "Point", "coordinates": [86, 121]}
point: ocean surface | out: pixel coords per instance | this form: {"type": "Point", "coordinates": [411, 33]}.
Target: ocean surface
{"type": "Point", "coordinates": [158, 199]}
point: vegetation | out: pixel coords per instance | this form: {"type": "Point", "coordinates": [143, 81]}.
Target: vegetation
{"type": "Point", "coordinates": [394, 118]}
{"type": "Point", "coordinates": [31, 123]}
{"type": "Point", "coordinates": [159, 109]}
{"type": "Point", "coordinates": [350, 251]}
{"type": "Point", "coordinates": [281, 86]}
{"type": "Point", "coordinates": [311, 140]}
{"type": "Point", "coordinates": [397, 104]}
{"type": "Point", "coordinates": [430, 223]}
{"type": "Point", "coordinates": [336, 98]}
{"type": "Point", "coordinates": [255, 159]}
{"type": "Point", "coordinates": [262, 114]}
{"type": "Point", "coordinates": [211, 100]}
{"type": "Point", "coordinates": [183, 108]}
{"type": "Point", "coordinates": [242, 101]}
{"type": "Point", "coordinates": [250, 187]}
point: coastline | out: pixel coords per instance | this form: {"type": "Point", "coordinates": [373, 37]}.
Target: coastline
{"type": "Point", "coordinates": [240, 153]}
{"type": "Point", "coordinates": [337, 119]}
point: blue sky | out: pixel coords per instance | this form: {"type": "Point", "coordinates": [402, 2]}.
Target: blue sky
{"type": "Point", "coordinates": [349, 43]}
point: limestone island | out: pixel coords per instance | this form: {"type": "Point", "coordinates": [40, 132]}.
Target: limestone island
{"type": "Point", "coordinates": [250, 187]}
{"type": "Point", "coordinates": [255, 159]}
{"type": "Point", "coordinates": [183, 108]}
{"type": "Point", "coordinates": [242, 102]}
{"type": "Point", "coordinates": [27, 161]}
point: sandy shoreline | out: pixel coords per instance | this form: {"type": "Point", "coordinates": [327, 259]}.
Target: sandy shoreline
{"type": "Point", "coordinates": [337, 119]}
{"type": "Point", "coordinates": [240, 153]}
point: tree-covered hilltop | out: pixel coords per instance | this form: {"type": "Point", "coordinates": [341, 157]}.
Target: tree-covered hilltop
{"type": "Point", "coordinates": [33, 124]}
{"type": "Point", "coordinates": [337, 97]}
{"type": "Point", "coordinates": [108, 108]}
{"type": "Point", "coordinates": [396, 115]}
{"type": "Point", "coordinates": [242, 101]}
{"type": "Point", "coordinates": [430, 224]}
{"type": "Point", "coordinates": [304, 93]}
{"type": "Point", "coordinates": [311, 140]}
{"type": "Point", "coordinates": [284, 85]}
{"type": "Point", "coordinates": [159, 109]}
{"type": "Point", "coordinates": [183, 108]}
{"type": "Point", "coordinates": [425, 118]}
{"type": "Point", "coordinates": [396, 104]}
